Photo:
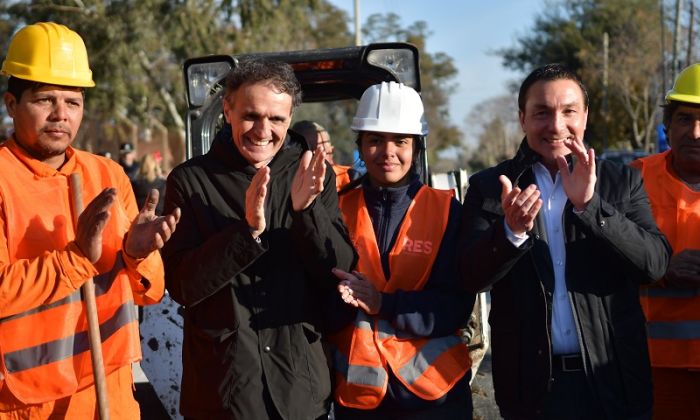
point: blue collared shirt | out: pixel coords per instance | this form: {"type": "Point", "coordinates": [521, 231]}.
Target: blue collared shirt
{"type": "Point", "coordinates": [563, 328]}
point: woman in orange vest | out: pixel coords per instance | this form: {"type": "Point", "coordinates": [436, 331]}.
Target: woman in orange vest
{"type": "Point", "coordinates": [399, 353]}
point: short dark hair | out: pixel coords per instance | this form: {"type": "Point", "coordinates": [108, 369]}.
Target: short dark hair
{"type": "Point", "coordinates": [17, 86]}
{"type": "Point", "coordinates": [670, 108]}
{"type": "Point", "coordinates": [255, 70]}
{"type": "Point", "coordinates": [549, 73]}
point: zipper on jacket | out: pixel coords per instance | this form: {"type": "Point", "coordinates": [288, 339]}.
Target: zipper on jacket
{"type": "Point", "coordinates": [569, 295]}
{"type": "Point", "coordinates": [384, 220]}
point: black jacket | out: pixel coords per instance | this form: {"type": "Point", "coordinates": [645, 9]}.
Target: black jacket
{"type": "Point", "coordinates": [611, 248]}
{"type": "Point", "coordinates": [251, 334]}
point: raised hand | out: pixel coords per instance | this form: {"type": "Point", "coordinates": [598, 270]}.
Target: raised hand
{"type": "Point", "coordinates": [308, 180]}
{"type": "Point", "coordinates": [579, 183]}
{"type": "Point", "coordinates": [519, 206]}
{"type": "Point", "coordinates": [92, 222]}
{"type": "Point", "coordinates": [357, 290]}
{"type": "Point", "coordinates": [149, 232]}
{"type": "Point", "coordinates": [255, 202]}
{"type": "Point", "coordinates": [684, 269]}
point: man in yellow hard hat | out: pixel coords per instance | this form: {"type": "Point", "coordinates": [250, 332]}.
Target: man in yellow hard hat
{"type": "Point", "coordinates": [672, 309]}
{"type": "Point", "coordinates": [45, 368]}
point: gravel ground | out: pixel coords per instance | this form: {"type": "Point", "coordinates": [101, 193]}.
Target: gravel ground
{"type": "Point", "coordinates": [485, 407]}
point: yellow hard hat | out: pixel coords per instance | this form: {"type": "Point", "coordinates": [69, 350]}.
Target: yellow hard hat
{"type": "Point", "coordinates": [687, 86]}
{"type": "Point", "coordinates": [47, 52]}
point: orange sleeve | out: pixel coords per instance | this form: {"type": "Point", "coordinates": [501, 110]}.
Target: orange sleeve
{"type": "Point", "coordinates": [28, 283]}
{"type": "Point", "coordinates": [147, 275]}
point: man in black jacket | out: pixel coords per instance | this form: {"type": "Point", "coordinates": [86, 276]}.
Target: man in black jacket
{"type": "Point", "coordinates": [252, 261]}
{"type": "Point", "coordinates": [563, 242]}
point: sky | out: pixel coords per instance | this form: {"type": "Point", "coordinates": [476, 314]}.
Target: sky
{"type": "Point", "coordinates": [468, 31]}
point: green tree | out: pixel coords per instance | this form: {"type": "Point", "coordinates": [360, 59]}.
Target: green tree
{"type": "Point", "coordinates": [137, 47]}
{"type": "Point", "coordinates": [494, 123]}
{"type": "Point", "coordinates": [572, 32]}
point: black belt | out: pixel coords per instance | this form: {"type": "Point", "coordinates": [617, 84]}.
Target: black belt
{"type": "Point", "coordinates": [567, 362]}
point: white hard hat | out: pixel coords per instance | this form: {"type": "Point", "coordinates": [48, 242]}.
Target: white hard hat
{"type": "Point", "coordinates": [390, 107]}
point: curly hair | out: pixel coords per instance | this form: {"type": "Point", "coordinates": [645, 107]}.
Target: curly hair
{"type": "Point", "coordinates": [256, 70]}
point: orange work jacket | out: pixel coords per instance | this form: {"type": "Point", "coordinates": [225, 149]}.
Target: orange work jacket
{"type": "Point", "coordinates": [342, 176]}
{"type": "Point", "coordinates": [44, 349]}
{"type": "Point", "coordinates": [673, 315]}
{"type": "Point", "coordinates": [366, 350]}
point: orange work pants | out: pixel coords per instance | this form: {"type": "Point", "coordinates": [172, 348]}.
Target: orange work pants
{"type": "Point", "coordinates": [676, 394]}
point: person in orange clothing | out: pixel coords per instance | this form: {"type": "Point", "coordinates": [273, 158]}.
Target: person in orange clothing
{"type": "Point", "coordinates": [45, 367]}
{"type": "Point", "coordinates": [398, 354]}
{"type": "Point", "coordinates": [672, 308]}
{"type": "Point", "coordinates": [315, 134]}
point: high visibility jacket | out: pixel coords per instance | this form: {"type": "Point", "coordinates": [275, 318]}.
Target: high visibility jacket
{"type": "Point", "coordinates": [44, 349]}
{"type": "Point", "coordinates": [366, 350]}
{"type": "Point", "coordinates": [342, 176]}
{"type": "Point", "coordinates": [673, 315]}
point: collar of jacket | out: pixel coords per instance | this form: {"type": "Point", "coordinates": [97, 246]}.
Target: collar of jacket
{"type": "Point", "coordinates": [374, 194]}
{"type": "Point", "coordinates": [224, 150]}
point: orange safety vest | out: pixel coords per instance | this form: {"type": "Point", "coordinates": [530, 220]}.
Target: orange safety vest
{"type": "Point", "coordinates": [366, 350]}
{"type": "Point", "coordinates": [673, 315]}
{"type": "Point", "coordinates": [44, 351]}
{"type": "Point", "coordinates": [342, 176]}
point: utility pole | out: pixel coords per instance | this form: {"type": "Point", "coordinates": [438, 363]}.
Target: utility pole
{"type": "Point", "coordinates": [606, 110]}
{"type": "Point", "coordinates": [691, 24]}
{"type": "Point", "coordinates": [358, 33]}
{"type": "Point", "coordinates": [663, 48]}
{"type": "Point", "coordinates": [677, 40]}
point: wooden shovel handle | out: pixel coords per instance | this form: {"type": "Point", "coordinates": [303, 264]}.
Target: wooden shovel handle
{"type": "Point", "coordinates": [88, 292]}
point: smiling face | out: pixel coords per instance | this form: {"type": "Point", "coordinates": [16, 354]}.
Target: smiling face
{"type": "Point", "coordinates": [259, 116]}
{"type": "Point", "coordinates": [388, 157]}
{"type": "Point", "coordinates": [684, 136]}
{"type": "Point", "coordinates": [46, 120]}
{"type": "Point", "coordinates": [554, 111]}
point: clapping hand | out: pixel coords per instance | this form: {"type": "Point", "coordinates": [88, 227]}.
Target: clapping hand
{"type": "Point", "coordinates": [684, 269]}
{"type": "Point", "coordinates": [520, 207]}
{"type": "Point", "coordinates": [149, 232]}
{"type": "Point", "coordinates": [92, 222]}
{"type": "Point", "coordinates": [579, 183]}
{"type": "Point", "coordinates": [255, 202]}
{"type": "Point", "coordinates": [357, 290]}
{"type": "Point", "coordinates": [308, 180]}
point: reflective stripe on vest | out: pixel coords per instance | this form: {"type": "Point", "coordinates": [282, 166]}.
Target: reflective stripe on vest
{"type": "Point", "coordinates": [102, 284]}
{"type": "Point", "coordinates": [429, 368]}
{"type": "Point", "coordinates": [375, 376]}
{"type": "Point", "coordinates": [664, 292]}
{"type": "Point", "coordinates": [50, 352]}
{"type": "Point", "coordinates": [678, 330]}
{"type": "Point", "coordinates": [44, 351]}
{"type": "Point", "coordinates": [673, 315]}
